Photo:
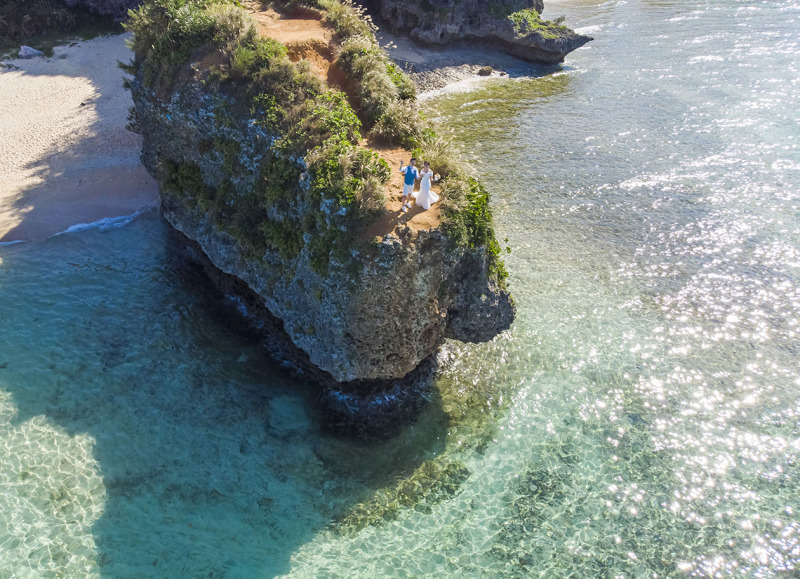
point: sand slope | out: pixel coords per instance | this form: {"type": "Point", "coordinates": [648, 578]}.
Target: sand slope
{"type": "Point", "coordinates": [65, 155]}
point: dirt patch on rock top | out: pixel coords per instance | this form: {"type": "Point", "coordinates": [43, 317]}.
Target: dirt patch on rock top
{"type": "Point", "coordinates": [303, 32]}
{"type": "Point", "coordinates": [393, 220]}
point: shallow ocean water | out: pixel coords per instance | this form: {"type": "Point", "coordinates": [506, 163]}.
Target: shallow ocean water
{"type": "Point", "coordinates": [640, 419]}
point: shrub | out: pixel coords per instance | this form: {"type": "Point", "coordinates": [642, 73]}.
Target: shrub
{"type": "Point", "coordinates": [278, 181]}
{"type": "Point", "coordinates": [401, 124]}
{"type": "Point", "coordinates": [367, 173]}
{"type": "Point", "coordinates": [380, 82]}
{"type": "Point", "coordinates": [439, 152]}
{"type": "Point", "coordinates": [470, 224]}
{"type": "Point", "coordinates": [282, 236]}
{"type": "Point", "coordinates": [348, 18]}
{"type": "Point", "coordinates": [528, 20]}
{"type": "Point", "coordinates": [186, 179]}
{"type": "Point", "coordinates": [242, 62]}
{"type": "Point", "coordinates": [406, 88]}
{"type": "Point", "coordinates": [378, 93]}
{"type": "Point", "coordinates": [327, 118]}
{"type": "Point", "coordinates": [166, 32]}
{"type": "Point", "coordinates": [231, 26]}
{"type": "Point", "coordinates": [354, 48]}
{"type": "Point", "coordinates": [339, 170]}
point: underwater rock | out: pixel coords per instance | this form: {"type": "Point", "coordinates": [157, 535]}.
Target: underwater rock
{"type": "Point", "coordinates": [431, 483]}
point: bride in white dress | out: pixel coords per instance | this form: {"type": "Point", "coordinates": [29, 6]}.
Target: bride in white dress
{"type": "Point", "coordinates": [425, 197]}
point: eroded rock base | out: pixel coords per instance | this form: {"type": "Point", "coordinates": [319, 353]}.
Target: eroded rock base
{"type": "Point", "coordinates": [362, 408]}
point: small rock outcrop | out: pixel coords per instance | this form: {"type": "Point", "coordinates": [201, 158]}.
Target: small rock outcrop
{"type": "Point", "coordinates": [28, 52]}
{"type": "Point", "coordinates": [513, 26]}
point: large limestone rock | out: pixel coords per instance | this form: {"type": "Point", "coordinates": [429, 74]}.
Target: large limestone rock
{"type": "Point", "coordinates": [449, 21]}
{"type": "Point", "coordinates": [376, 317]}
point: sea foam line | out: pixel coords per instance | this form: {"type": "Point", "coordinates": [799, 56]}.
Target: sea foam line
{"type": "Point", "coordinates": [104, 223]}
{"type": "Point", "coordinates": [6, 243]}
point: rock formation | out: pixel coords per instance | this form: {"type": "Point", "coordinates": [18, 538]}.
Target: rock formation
{"type": "Point", "coordinates": [445, 22]}
{"type": "Point", "coordinates": [263, 169]}
{"type": "Point", "coordinates": [513, 26]}
{"type": "Point", "coordinates": [377, 313]}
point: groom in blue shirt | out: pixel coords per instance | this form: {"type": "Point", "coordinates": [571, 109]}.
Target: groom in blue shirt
{"type": "Point", "coordinates": [411, 175]}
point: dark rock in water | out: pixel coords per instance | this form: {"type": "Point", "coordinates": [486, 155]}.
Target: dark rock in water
{"type": "Point", "coordinates": [449, 21]}
{"type": "Point", "coordinates": [28, 52]}
{"type": "Point", "coordinates": [482, 313]}
{"type": "Point", "coordinates": [368, 409]}
{"type": "Point", "coordinates": [485, 71]}
{"type": "Point", "coordinates": [377, 409]}
{"type": "Point", "coordinates": [116, 8]}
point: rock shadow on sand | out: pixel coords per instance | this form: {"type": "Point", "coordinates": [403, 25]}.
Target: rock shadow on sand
{"type": "Point", "coordinates": [66, 155]}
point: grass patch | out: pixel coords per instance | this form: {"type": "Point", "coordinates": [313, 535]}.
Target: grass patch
{"type": "Point", "coordinates": [528, 20]}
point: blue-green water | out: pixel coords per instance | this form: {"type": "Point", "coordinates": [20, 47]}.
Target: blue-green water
{"type": "Point", "coordinates": [641, 418]}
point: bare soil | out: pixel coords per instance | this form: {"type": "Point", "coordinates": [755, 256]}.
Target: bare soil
{"type": "Point", "coordinates": [393, 219]}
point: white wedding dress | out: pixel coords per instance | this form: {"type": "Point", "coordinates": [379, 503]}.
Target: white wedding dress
{"type": "Point", "coordinates": [425, 197]}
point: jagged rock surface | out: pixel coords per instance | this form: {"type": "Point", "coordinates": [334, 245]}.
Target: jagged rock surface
{"type": "Point", "coordinates": [449, 21]}
{"type": "Point", "coordinates": [376, 321]}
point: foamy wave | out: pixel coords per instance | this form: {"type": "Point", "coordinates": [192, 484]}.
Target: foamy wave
{"type": "Point", "coordinates": [103, 224]}
{"type": "Point", "coordinates": [16, 241]}
{"type": "Point", "coordinates": [459, 86]}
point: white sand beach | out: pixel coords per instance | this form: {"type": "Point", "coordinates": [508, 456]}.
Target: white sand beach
{"type": "Point", "coordinates": [65, 154]}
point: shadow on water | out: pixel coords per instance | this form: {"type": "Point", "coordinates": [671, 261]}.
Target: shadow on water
{"type": "Point", "coordinates": [211, 458]}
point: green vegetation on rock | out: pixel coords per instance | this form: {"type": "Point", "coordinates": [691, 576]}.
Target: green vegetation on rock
{"type": "Point", "coordinates": [469, 222]}
{"type": "Point", "coordinates": [380, 83]}
{"type": "Point", "coordinates": [529, 20]}
{"type": "Point", "coordinates": [316, 184]}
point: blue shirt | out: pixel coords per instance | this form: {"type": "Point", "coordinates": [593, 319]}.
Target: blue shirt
{"type": "Point", "coordinates": [412, 173]}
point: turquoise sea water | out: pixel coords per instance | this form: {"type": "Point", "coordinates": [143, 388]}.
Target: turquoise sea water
{"type": "Point", "coordinates": [641, 418]}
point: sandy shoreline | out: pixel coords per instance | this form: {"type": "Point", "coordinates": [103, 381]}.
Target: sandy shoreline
{"type": "Point", "coordinates": [65, 155]}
